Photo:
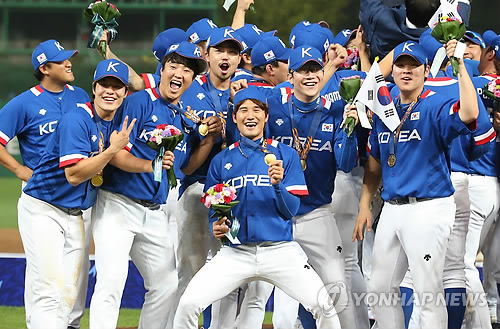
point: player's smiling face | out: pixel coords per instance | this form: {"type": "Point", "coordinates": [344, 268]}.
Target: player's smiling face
{"type": "Point", "coordinates": [59, 72]}
{"type": "Point", "coordinates": [306, 81]}
{"type": "Point", "coordinates": [109, 93]}
{"type": "Point", "coordinates": [250, 119]}
{"type": "Point", "coordinates": [175, 80]}
{"type": "Point", "coordinates": [473, 51]}
{"type": "Point", "coordinates": [223, 59]}
{"type": "Point", "coordinates": [409, 75]}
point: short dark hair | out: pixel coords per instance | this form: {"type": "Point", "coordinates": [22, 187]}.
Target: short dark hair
{"type": "Point", "coordinates": [242, 61]}
{"type": "Point", "coordinates": [38, 74]}
{"type": "Point", "coordinates": [419, 12]}
{"type": "Point", "coordinates": [259, 70]}
{"type": "Point", "coordinates": [193, 64]}
{"type": "Point", "coordinates": [256, 102]}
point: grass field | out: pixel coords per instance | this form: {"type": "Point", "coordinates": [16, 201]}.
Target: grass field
{"type": "Point", "coordinates": [13, 318]}
{"type": "Point", "coordinates": [10, 190]}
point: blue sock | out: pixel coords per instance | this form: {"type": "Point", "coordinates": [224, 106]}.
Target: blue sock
{"type": "Point", "coordinates": [207, 317]}
{"type": "Point", "coordinates": [306, 318]}
{"type": "Point", "coordinates": [407, 303]}
{"type": "Point", "coordinates": [456, 300]}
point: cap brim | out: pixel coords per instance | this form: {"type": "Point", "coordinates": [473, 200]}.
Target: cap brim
{"type": "Point", "coordinates": [309, 60]}
{"type": "Point", "coordinates": [111, 75]}
{"type": "Point", "coordinates": [409, 55]}
{"type": "Point", "coordinates": [236, 41]}
{"type": "Point", "coordinates": [63, 55]}
{"type": "Point", "coordinates": [202, 64]}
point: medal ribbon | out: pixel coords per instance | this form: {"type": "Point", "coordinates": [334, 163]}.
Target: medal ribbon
{"type": "Point", "coordinates": [101, 135]}
{"type": "Point", "coordinates": [304, 150]}
{"type": "Point", "coordinates": [254, 145]}
{"type": "Point", "coordinates": [393, 145]}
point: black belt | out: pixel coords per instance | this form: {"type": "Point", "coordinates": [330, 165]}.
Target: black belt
{"type": "Point", "coordinates": [147, 204]}
{"type": "Point", "coordinates": [70, 211]}
{"type": "Point", "coordinates": [407, 200]}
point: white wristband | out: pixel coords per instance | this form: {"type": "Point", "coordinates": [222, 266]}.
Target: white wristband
{"type": "Point", "coordinates": [460, 50]}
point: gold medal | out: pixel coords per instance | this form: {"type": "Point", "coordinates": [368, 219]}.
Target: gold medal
{"type": "Point", "coordinates": [269, 158]}
{"type": "Point", "coordinates": [304, 164]}
{"type": "Point", "coordinates": [391, 161]}
{"type": "Point", "coordinates": [97, 180]}
{"type": "Point", "coordinates": [223, 145]}
{"type": "Point", "coordinates": [203, 129]}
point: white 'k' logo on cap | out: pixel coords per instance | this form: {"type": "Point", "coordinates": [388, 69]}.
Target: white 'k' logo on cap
{"type": "Point", "coordinates": [257, 30]}
{"type": "Point", "coordinates": [194, 37]}
{"type": "Point", "coordinates": [111, 66]}
{"type": "Point", "coordinates": [227, 33]}
{"type": "Point", "coordinates": [197, 52]}
{"type": "Point", "coordinates": [173, 47]}
{"type": "Point", "coordinates": [41, 58]}
{"type": "Point", "coordinates": [305, 51]}
{"type": "Point", "coordinates": [59, 47]}
{"type": "Point", "coordinates": [269, 55]}
{"type": "Point", "coordinates": [346, 33]}
{"type": "Point", "coordinates": [212, 24]}
{"type": "Point", "coordinates": [407, 45]}
{"type": "Point", "coordinates": [292, 40]}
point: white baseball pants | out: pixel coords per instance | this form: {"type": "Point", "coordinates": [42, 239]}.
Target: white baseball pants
{"type": "Point", "coordinates": [122, 227]}
{"type": "Point", "coordinates": [53, 241]}
{"type": "Point", "coordinates": [413, 236]}
{"type": "Point", "coordinates": [277, 263]}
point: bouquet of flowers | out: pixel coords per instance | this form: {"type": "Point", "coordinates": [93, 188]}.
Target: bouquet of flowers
{"type": "Point", "coordinates": [164, 138]}
{"type": "Point", "coordinates": [348, 90]}
{"type": "Point", "coordinates": [221, 198]}
{"type": "Point", "coordinates": [492, 91]}
{"type": "Point", "coordinates": [352, 61]}
{"type": "Point", "coordinates": [449, 28]}
{"type": "Point", "coordinates": [103, 15]}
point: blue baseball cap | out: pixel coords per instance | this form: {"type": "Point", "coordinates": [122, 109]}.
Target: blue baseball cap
{"type": "Point", "coordinates": [189, 50]}
{"type": "Point", "coordinates": [250, 34]}
{"type": "Point", "coordinates": [313, 35]}
{"type": "Point", "coordinates": [413, 49]}
{"type": "Point", "coordinates": [50, 51]}
{"type": "Point", "coordinates": [343, 37]}
{"type": "Point", "coordinates": [269, 49]}
{"type": "Point", "coordinates": [303, 54]}
{"type": "Point", "coordinates": [200, 30]}
{"type": "Point", "coordinates": [493, 40]}
{"type": "Point", "coordinates": [222, 34]}
{"type": "Point", "coordinates": [251, 92]}
{"type": "Point", "coordinates": [299, 26]}
{"type": "Point", "coordinates": [111, 68]}
{"type": "Point", "coordinates": [165, 39]}
{"type": "Point", "coordinates": [429, 44]}
{"type": "Point", "coordinates": [475, 38]}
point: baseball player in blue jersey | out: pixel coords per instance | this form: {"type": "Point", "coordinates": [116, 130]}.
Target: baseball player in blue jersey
{"type": "Point", "coordinates": [413, 162]}
{"type": "Point", "coordinates": [64, 183]}
{"type": "Point", "coordinates": [306, 121]}
{"type": "Point", "coordinates": [128, 219]}
{"type": "Point", "coordinates": [268, 201]}
{"type": "Point", "coordinates": [463, 150]}
{"type": "Point", "coordinates": [33, 116]}
{"type": "Point", "coordinates": [208, 97]}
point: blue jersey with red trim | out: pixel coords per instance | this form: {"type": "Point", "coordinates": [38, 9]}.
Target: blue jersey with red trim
{"type": "Point", "coordinates": [33, 115]}
{"type": "Point", "coordinates": [151, 80]}
{"type": "Point", "coordinates": [242, 166]}
{"type": "Point", "coordinates": [199, 98]}
{"type": "Point", "coordinates": [485, 165]}
{"type": "Point", "coordinates": [150, 110]}
{"type": "Point", "coordinates": [241, 74]}
{"type": "Point", "coordinates": [468, 147]}
{"type": "Point", "coordinates": [422, 167]}
{"type": "Point", "coordinates": [76, 137]}
{"type": "Point", "coordinates": [330, 148]}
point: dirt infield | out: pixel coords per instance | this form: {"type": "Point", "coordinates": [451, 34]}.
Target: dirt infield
{"type": "Point", "coordinates": [10, 241]}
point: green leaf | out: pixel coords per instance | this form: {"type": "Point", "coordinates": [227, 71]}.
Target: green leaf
{"type": "Point", "coordinates": [349, 88]}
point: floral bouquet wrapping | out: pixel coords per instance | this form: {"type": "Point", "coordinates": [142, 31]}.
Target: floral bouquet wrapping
{"type": "Point", "coordinates": [103, 15]}
{"type": "Point", "coordinates": [352, 61]}
{"type": "Point", "coordinates": [492, 91]}
{"type": "Point", "coordinates": [164, 138]}
{"type": "Point", "coordinates": [449, 28]}
{"type": "Point", "coordinates": [348, 90]}
{"type": "Point", "coordinates": [221, 198]}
